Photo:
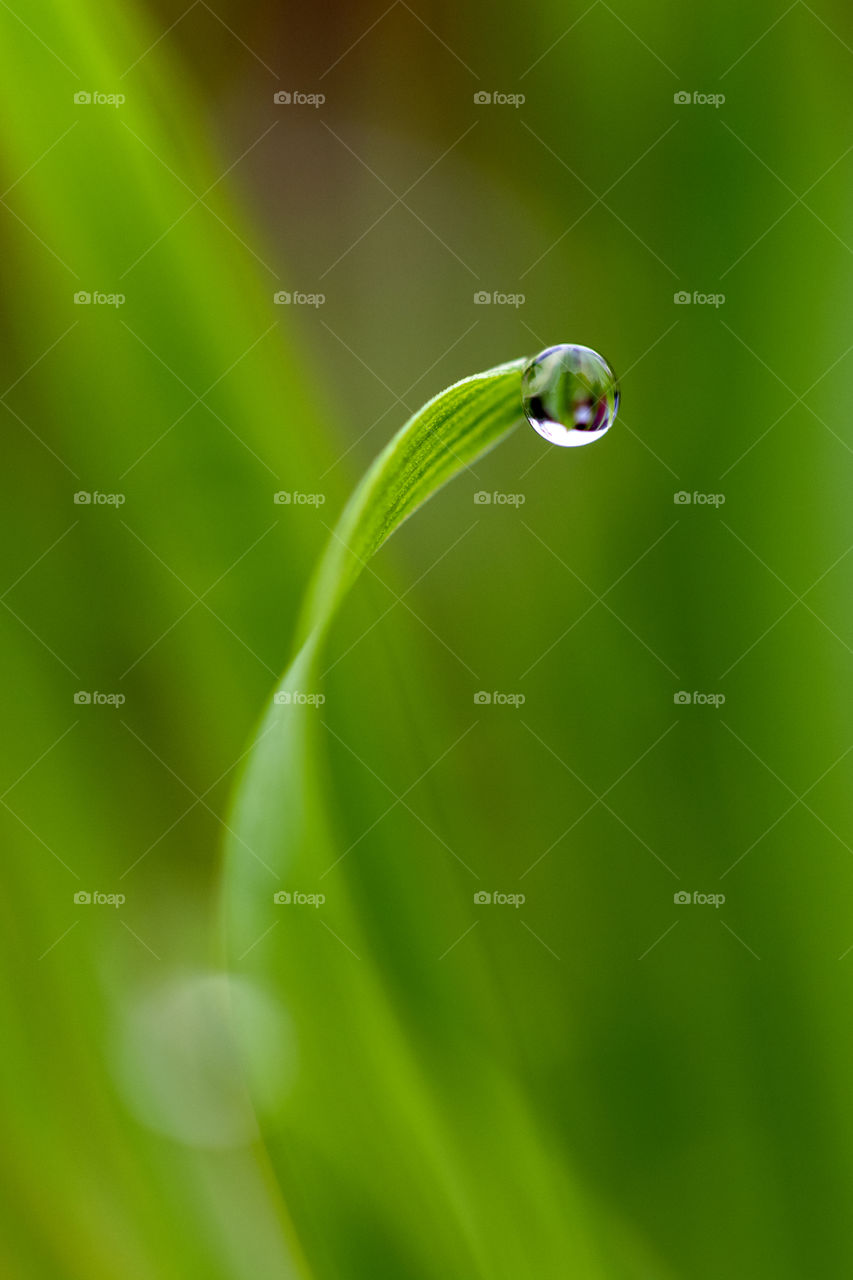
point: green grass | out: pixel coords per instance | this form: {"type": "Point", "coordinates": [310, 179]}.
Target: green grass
{"type": "Point", "coordinates": [602, 1083]}
{"type": "Point", "coordinates": [372, 1105]}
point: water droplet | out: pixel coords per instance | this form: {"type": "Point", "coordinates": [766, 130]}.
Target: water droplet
{"type": "Point", "coordinates": [569, 394]}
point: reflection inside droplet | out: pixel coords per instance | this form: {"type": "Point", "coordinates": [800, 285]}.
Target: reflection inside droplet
{"type": "Point", "coordinates": [569, 394]}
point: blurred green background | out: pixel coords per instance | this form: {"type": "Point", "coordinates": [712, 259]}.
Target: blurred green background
{"type": "Point", "coordinates": [602, 1081]}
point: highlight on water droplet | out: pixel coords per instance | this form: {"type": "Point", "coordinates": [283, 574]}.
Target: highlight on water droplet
{"type": "Point", "coordinates": [569, 394]}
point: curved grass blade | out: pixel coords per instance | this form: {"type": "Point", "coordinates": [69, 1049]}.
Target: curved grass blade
{"type": "Point", "coordinates": [370, 1135]}
{"type": "Point", "coordinates": [447, 435]}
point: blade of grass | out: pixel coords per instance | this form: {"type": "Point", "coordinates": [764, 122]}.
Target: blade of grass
{"type": "Point", "coordinates": [447, 435]}
{"type": "Point", "coordinates": [376, 1122]}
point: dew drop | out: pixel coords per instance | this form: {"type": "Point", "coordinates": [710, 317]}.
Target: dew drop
{"type": "Point", "coordinates": [569, 394]}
